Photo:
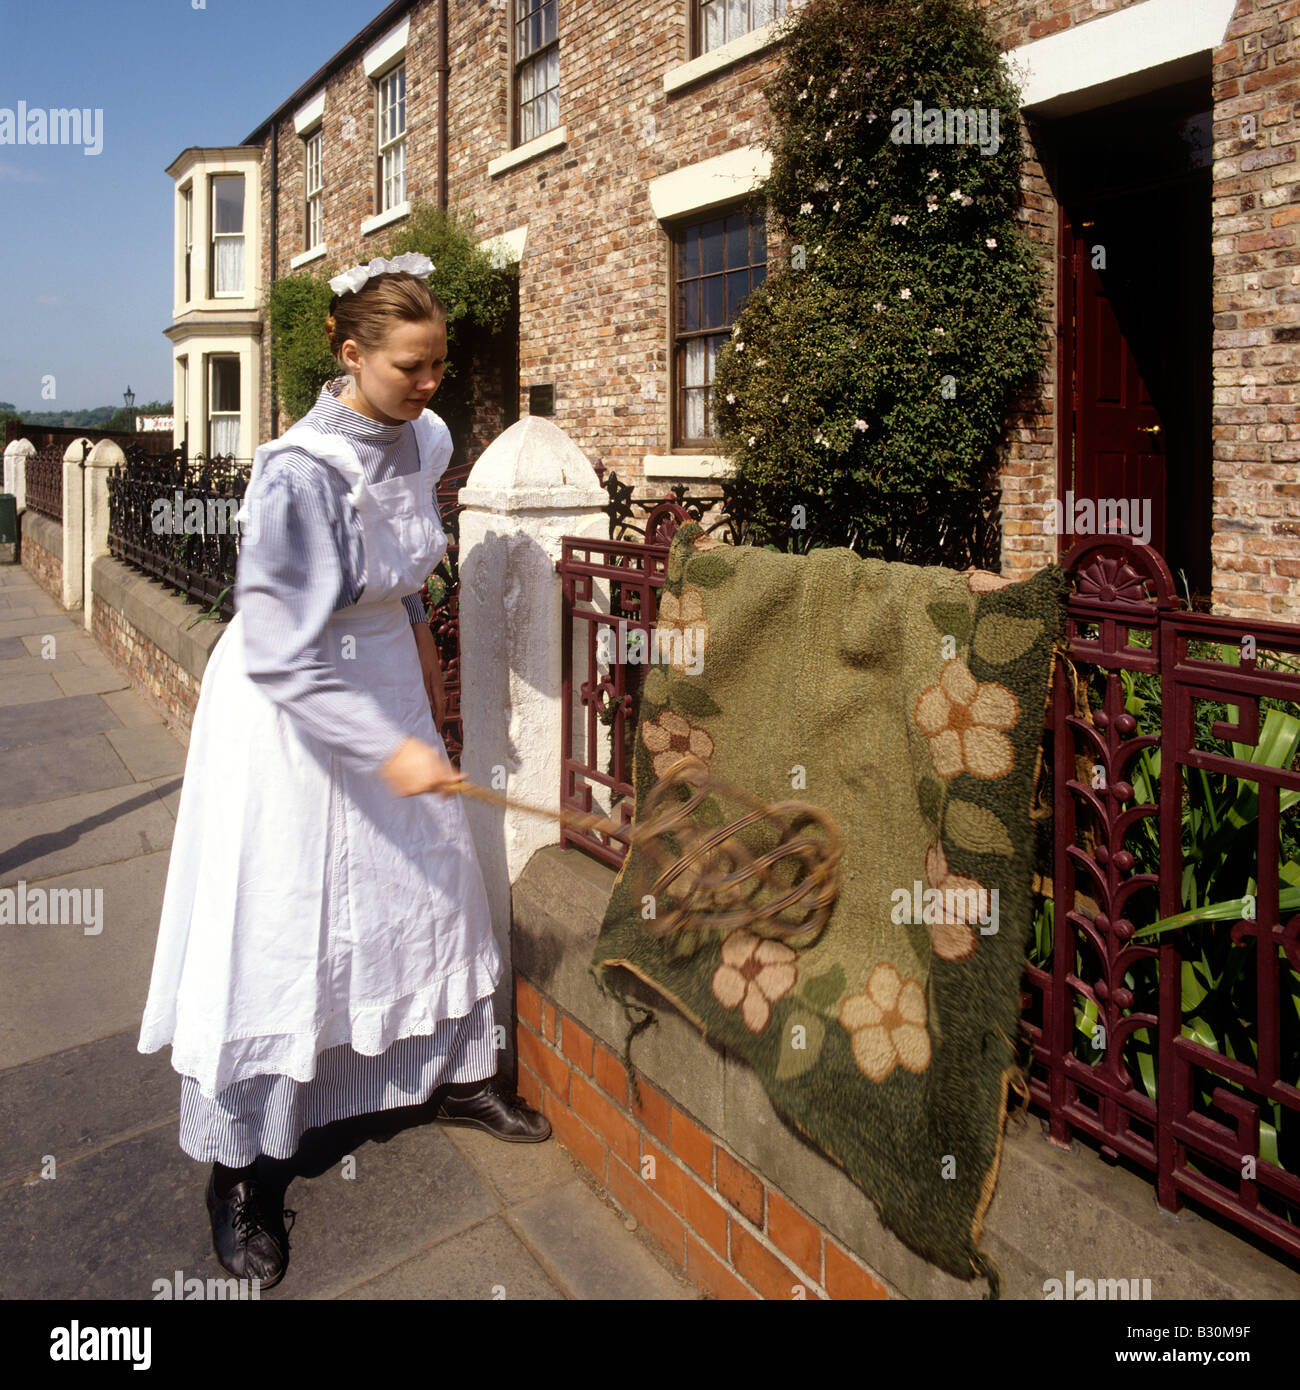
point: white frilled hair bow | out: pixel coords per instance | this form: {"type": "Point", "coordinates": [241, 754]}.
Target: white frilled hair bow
{"type": "Point", "coordinates": [351, 280]}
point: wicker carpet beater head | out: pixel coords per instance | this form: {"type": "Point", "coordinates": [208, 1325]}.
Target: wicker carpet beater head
{"type": "Point", "coordinates": [714, 881]}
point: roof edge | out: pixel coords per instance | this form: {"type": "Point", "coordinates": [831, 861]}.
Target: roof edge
{"type": "Point", "coordinates": [193, 152]}
{"type": "Point", "coordinates": [384, 20]}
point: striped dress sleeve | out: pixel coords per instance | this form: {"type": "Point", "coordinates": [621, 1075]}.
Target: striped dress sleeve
{"type": "Point", "coordinates": [414, 609]}
{"type": "Point", "coordinates": [293, 573]}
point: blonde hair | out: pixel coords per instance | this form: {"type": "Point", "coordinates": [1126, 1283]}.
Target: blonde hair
{"type": "Point", "coordinates": [367, 315]}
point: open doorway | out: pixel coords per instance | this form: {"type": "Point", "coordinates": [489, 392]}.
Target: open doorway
{"type": "Point", "coordinates": [1133, 183]}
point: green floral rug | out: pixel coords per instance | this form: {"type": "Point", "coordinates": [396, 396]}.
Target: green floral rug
{"type": "Point", "coordinates": [908, 703]}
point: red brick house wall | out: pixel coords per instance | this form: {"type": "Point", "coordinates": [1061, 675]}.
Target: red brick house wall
{"type": "Point", "coordinates": [594, 286]}
{"type": "Point", "coordinates": [1256, 327]}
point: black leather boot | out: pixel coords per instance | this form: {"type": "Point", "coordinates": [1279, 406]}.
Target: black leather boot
{"type": "Point", "coordinates": [503, 1114]}
{"type": "Point", "coordinates": [250, 1242]}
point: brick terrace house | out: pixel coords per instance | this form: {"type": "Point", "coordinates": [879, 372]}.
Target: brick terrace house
{"type": "Point", "coordinates": [609, 151]}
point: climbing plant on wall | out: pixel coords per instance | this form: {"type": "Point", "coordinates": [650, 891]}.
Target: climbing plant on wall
{"type": "Point", "coordinates": [868, 379]}
{"type": "Point", "coordinates": [476, 291]}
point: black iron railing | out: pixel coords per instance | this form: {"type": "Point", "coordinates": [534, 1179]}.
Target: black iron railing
{"type": "Point", "coordinates": [174, 518]}
{"type": "Point", "coordinates": [44, 481]}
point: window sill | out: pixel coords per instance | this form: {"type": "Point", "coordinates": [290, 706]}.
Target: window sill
{"type": "Point", "coordinates": [765, 36]}
{"type": "Point", "coordinates": [382, 219]}
{"type": "Point", "coordinates": [687, 466]}
{"type": "Point", "coordinates": [314, 254]}
{"type": "Point", "coordinates": [553, 139]}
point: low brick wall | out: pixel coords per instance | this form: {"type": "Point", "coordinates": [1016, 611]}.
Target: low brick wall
{"type": "Point", "coordinates": [748, 1207]}
{"type": "Point", "coordinates": [151, 635]}
{"type": "Point", "coordinates": [41, 551]}
{"type": "Point", "coordinates": [151, 671]}
{"type": "Point", "coordinates": [713, 1215]}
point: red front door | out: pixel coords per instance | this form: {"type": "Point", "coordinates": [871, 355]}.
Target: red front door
{"type": "Point", "coordinates": [1118, 436]}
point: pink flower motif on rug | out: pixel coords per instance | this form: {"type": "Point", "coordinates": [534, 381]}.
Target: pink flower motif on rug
{"type": "Point", "coordinates": [887, 1024]}
{"type": "Point", "coordinates": [754, 974]}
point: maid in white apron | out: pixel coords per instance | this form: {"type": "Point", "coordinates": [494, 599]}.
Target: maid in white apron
{"type": "Point", "coordinates": [325, 947]}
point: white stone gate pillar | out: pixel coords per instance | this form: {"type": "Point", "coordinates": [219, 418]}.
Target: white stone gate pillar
{"type": "Point", "coordinates": [531, 486]}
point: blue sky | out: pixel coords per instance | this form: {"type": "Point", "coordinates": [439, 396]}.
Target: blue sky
{"type": "Point", "coordinates": [85, 240]}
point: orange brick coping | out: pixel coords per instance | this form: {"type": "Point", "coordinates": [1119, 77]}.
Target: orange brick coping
{"type": "Point", "coordinates": [729, 1231]}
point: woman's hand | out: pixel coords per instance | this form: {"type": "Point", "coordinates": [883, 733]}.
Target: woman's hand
{"type": "Point", "coordinates": [431, 669]}
{"type": "Point", "coordinates": [417, 767]}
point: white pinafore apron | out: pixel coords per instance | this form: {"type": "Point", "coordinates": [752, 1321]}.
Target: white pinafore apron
{"type": "Point", "coordinates": [307, 906]}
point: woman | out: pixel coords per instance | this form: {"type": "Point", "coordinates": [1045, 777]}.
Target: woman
{"type": "Point", "coordinates": [326, 947]}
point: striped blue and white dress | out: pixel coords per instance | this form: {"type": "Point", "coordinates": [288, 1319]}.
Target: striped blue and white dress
{"type": "Point", "coordinates": [304, 512]}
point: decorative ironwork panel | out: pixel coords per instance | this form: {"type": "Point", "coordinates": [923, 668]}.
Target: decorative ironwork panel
{"type": "Point", "coordinates": [174, 518]}
{"type": "Point", "coordinates": [44, 475]}
{"type": "Point", "coordinates": [610, 589]}
{"type": "Point", "coordinates": [1173, 755]}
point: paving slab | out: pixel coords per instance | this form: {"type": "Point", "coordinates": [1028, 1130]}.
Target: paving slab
{"type": "Point", "coordinates": [66, 639]}
{"type": "Point", "coordinates": [169, 790]}
{"type": "Point", "coordinates": [23, 663]}
{"type": "Point", "coordinates": [80, 832]}
{"type": "Point", "coordinates": [584, 1245]}
{"type": "Point", "coordinates": [11, 647]}
{"type": "Point", "coordinates": [97, 660]}
{"type": "Point", "coordinates": [40, 624]}
{"type": "Point", "coordinates": [109, 1224]}
{"type": "Point", "coordinates": [39, 602]}
{"type": "Point", "coordinates": [149, 751]}
{"type": "Point", "coordinates": [131, 708]}
{"type": "Point", "coordinates": [59, 987]}
{"type": "Point", "coordinates": [46, 771]}
{"type": "Point", "coordinates": [516, 1172]}
{"type": "Point", "coordinates": [38, 721]}
{"type": "Point", "coordinates": [30, 687]}
{"type": "Point", "coordinates": [405, 1196]}
{"type": "Point", "coordinates": [75, 1102]}
{"type": "Point", "coordinates": [86, 680]}
{"type": "Point", "coordinates": [488, 1261]}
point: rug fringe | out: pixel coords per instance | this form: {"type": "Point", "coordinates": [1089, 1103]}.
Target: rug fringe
{"type": "Point", "coordinates": [649, 1016]}
{"type": "Point", "coordinates": [986, 1269]}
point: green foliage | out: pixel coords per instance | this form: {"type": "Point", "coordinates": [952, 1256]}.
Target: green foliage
{"type": "Point", "coordinates": [874, 382]}
{"type": "Point", "coordinates": [478, 296]}
{"type": "Point", "coordinates": [298, 306]}
{"type": "Point", "coordinates": [475, 291]}
{"type": "Point", "coordinates": [101, 417]}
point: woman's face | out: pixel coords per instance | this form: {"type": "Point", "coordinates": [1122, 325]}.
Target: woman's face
{"type": "Point", "coordinates": [397, 380]}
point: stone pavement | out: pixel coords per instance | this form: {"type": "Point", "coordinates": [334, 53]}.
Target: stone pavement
{"type": "Point", "coordinates": [90, 779]}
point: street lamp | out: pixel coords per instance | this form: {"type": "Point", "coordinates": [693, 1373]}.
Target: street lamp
{"type": "Point", "coordinates": [129, 397]}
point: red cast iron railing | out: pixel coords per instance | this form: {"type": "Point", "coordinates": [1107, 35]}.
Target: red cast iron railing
{"type": "Point", "coordinates": [634, 572]}
{"type": "Point", "coordinates": [1123, 588]}
{"type": "Point", "coordinates": [1119, 587]}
